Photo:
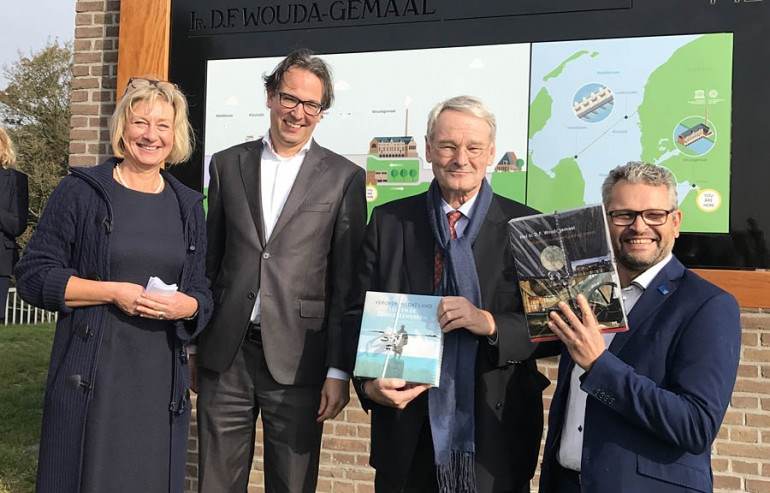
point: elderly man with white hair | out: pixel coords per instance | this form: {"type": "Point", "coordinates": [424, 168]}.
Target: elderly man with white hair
{"type": "Point", "coordinates": [480, 429]}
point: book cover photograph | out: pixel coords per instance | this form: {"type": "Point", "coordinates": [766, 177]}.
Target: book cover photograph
{"type": "Point", "coordinates": [400, 338]}
{"type": "Point", "coordinates": [561, 255]}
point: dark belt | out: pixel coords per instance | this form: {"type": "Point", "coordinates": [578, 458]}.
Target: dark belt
{"type": "Point", "coordinates": [254, 334]}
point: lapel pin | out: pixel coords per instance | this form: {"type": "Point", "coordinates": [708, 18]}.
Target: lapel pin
{"type": "Point", "coordinates": [663, 289]}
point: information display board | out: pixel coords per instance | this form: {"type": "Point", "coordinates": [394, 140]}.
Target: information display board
{"type": "Point", "coordinates": [577, 88]}
{"type": "Point", "coordinates": [589, 102]}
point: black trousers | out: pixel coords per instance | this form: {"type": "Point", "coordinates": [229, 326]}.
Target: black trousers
{"type": "Point", "coordinates": [228, 406]}
{"type": "Point", "coordinates": [565, 480]}
{"type": "Point", "coordinates": [422, 473]}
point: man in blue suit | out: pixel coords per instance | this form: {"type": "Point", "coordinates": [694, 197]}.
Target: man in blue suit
{"type": "Point", "coordinates": [638, 411]}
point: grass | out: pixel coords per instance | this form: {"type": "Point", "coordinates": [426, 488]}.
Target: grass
{"type": "Point", "coordinates": [24, 354]}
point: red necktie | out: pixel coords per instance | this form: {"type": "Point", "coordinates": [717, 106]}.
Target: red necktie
{"type": "Point", "coordinates": [438, 261]}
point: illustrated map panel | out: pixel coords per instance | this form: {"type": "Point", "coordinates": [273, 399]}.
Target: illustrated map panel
{"type": "Point", "coordinates": [567, 113]}
{"type": "Point", "coordinates": [666, 100]}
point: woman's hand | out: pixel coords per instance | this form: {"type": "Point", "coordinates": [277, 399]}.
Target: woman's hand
{"type": "Point", "coordinates": [126, 295]}
{"type": "Point", "coordinates": [166, 306]}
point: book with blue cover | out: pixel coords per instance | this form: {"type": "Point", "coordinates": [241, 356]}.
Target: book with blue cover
{"type": "Point", "coordinates": [400, 337]}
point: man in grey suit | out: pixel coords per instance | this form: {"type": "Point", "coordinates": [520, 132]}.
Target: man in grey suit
{"type": "Point", "coordinates": [285, 221]}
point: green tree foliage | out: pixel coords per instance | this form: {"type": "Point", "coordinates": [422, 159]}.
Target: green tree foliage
{"type": "Point", "coordinates": [34, 108]}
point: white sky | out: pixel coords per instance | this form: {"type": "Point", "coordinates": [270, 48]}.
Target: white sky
{"type": "Point", "coordinates": [27, 25]}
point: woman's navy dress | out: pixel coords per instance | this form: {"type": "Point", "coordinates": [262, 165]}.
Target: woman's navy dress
{"type": "Point", "coordinates": [128, 429]}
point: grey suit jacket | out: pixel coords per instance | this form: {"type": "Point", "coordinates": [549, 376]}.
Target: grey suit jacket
{"type": "Point", "coordinates": [303, 271]}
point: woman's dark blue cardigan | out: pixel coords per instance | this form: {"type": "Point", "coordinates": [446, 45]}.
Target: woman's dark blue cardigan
{"type": "Point", "coordinates": [73, 239]}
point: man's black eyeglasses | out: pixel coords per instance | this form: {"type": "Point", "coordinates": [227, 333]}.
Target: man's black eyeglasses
{"type": "Point", "coordinates": [651, 217]}
{"type": "Point", "coordinates": [312, 108]}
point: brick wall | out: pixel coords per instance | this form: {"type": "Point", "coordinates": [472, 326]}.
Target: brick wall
{"type": "Point", "coordinates": [742, 450]}
{"type": "Point", "coordinates": [741, 453]}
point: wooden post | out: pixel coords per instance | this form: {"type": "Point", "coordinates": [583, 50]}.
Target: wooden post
{"type": "Point", "coordinates": [144, 43]}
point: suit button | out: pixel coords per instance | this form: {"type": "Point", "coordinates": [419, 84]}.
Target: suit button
{"type": "Point", "coordinates": [251, 295]}
{"type": "Point", "coordinates": [498, 404]}
{"type": "Point", "coordinates": [266, 255]}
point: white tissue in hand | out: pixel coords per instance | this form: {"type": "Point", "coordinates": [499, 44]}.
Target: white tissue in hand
{"type": "Point", "coordinates": [156, 286]}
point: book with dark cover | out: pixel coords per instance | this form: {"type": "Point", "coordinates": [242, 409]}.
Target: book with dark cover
{"type": "Point", "coordinates": [563, 254]}
{"type": "Point", "coordinates": [400, 338]}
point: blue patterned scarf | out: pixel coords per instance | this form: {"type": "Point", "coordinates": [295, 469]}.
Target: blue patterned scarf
{"type": "Point", "coordinates": [451, 405]}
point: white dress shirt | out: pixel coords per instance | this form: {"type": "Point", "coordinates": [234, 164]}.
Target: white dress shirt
{"type": "Point", "coordinates": [277, 176]}
{"type": "Point", "coordinates": [570, 451]}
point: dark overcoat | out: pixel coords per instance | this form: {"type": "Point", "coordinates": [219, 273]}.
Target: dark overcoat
{"type": "Point", "coordinates": [73, 239]}
{"type": "Point", "coordinates": [14, 203]}
{"type": "Point", "coordinates": [398, 256]}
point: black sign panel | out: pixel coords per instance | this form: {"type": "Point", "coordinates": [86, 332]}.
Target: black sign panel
{"type": "Point", "coordinates": [204, 30]}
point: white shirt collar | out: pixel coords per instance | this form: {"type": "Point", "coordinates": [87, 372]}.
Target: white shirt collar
{"type": "Point", "coordinates": [645, 278]}
{"type": "Point", "coordinates": [466, 209]}
{"type": "Point", "coordinates": [269, 148]}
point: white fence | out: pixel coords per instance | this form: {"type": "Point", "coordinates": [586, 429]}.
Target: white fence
{"type": "Point", "coordinates": [17, 311]}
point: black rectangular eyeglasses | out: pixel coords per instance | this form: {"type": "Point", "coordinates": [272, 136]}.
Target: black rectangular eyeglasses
{"type": "Point", "coordinates": [651, 217]}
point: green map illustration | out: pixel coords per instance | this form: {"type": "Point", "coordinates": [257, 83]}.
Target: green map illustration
{"type": "Point", "coordinates": [596, 104]}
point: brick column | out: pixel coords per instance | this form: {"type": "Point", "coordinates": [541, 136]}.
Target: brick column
{"type": "Point", "coordinates": [93, 83]}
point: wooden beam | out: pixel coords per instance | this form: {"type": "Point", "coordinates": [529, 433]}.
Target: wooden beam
{"type": "Point", "coordinates": [750, 287]}
{"type": "Point", "coordinates": [144, 43]}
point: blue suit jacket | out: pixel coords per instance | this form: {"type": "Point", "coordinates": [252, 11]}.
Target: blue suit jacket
{"type": "Point", "coordinates": [657, 397]}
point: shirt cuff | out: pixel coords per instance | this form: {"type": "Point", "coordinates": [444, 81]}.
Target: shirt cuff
{"type": "Point", "coordinates": [337, 374]}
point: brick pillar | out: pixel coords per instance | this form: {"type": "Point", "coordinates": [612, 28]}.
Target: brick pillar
{"type": "Point", "coordinates": [93, 83]}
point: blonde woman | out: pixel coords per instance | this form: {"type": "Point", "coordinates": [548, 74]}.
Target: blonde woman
{"type": "Point", "coordinates": [116, 408]}
{"type": "Point", "coordinates": [14, 202]}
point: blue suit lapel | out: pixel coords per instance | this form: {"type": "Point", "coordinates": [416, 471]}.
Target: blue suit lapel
{"type": "Point", "coordinates": [661, 287]}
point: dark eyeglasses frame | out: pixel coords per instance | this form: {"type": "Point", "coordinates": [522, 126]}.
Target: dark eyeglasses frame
{"type": "Point", "coordinates": [614, 216]}
{"type": "Point", "coordinates": [286, 101]}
